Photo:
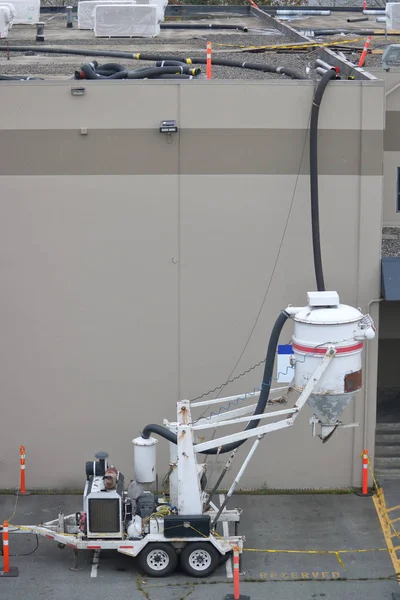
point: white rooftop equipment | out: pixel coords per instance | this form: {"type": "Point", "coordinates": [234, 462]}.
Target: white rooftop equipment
{"type": "Point", "coordinates": [86, 11]}
{"type": "Point", "coordinates": [12, 12]}
{"type": "Point", "coordinates": [162, 5]}
{"type": "Point", "coordinates": [392, 16]}
{"type": "Point", "coordinates": [27, 12]}
{"type": "Point", "coordinates": [122, 20]}
{"type": "Point", "coordinates": [5, 18]}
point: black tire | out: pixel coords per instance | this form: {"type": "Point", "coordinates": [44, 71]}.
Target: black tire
{"type": "Point", "coordinates": [199, 559]}
{"type": "Point", "coordinates": [158, 559]}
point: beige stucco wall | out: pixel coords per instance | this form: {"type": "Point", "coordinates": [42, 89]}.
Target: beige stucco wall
{"type": "Point", "coordinates": [133, 269]}
{"type": "Point", "coordinates": [391, 145]}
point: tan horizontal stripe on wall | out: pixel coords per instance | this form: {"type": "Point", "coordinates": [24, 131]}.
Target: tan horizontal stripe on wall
{"type": "Point", "coordinates": [205, 151]}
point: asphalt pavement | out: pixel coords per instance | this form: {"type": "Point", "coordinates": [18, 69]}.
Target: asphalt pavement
{"type": "Point", "coordinates": [282, 524]}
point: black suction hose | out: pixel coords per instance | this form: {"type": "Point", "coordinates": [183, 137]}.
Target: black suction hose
{"type": "Point", "coordinates": [358, 20]}
{"type": "Point", "coordinates": [203, 26]}
{"type": "Point", "coordinates": [115, 71]}
{"type": "Point", "coordinates": [262, 400]}
{"type": "Point", "coordinates": [281, 320]}
{"type": "Point", "coordinates": [154, 57]}
{"type": "Point", "coordinates": [319, 275]}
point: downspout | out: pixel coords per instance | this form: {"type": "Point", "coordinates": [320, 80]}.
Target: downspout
{"type": "Point", "coordinates": [367, 368]}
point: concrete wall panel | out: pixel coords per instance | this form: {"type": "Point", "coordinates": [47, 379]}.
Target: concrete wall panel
{"type": "Point", "coordinates": [123, 292]}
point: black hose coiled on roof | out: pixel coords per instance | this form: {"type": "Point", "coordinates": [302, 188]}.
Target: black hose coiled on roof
{"type": "Point", "coordinates": [170, 67]}
{"type": "Point", "coordinates": [244, 65]}
{"type": "Point", "coordinates": [154, 57]}
{"type": "Point", "coordinates": [94, 71]}
{"type": "Point", "coordinates": [319, 275]}
{"type": "Point", "coordinates": [262, 400]}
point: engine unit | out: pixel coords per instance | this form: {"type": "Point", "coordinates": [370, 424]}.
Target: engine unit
{"type": "Point", "coordinates": [103, 502]}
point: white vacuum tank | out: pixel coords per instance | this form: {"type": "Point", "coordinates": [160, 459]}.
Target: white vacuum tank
{"type": "Point", "coordinates": [144, 459]}
{"type": "Point", "coordinates": [323, 323]}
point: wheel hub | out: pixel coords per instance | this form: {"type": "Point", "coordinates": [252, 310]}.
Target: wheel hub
{"type": "Point", "coordinates": [158, 560]}
{"type": "Point", "coordinates": [200, 560]}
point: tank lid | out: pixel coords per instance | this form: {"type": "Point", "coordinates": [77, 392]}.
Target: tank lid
{"type": "Point", "coordinates": [322, 315]}
{"type": "Point", "coordinates": [139, 441]}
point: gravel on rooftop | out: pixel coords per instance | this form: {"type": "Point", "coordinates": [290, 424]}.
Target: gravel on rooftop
{"type": "Point", "coordinates": [58, 67]}
{"type": "Point", "coordinates": [391, 241]}
{"type": "Point", "coordinates": [225, 47]}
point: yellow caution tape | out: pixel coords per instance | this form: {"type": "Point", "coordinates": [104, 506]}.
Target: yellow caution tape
{"type": "Point", "coordinates": [294, 46]}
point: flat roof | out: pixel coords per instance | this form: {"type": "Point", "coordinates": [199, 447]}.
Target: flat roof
{"type": "Point", "coordinates": [264, 41]}
{"type": "Point", "coordinates": [226, 44]}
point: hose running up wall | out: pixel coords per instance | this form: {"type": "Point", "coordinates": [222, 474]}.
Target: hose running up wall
{"type": "Point", "coordinates": [281, 320]}
{"type": "Point", "coordinates": [319, 275]}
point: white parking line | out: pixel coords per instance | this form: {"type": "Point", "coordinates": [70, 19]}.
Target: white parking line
{"type": "Point", "coordinates": [95, 563]}
{"type": "Point", "coordinates": [225, 531]}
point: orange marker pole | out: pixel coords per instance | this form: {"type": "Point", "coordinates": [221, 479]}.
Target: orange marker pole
{"type": "Point", "coordinates": [364, 492]}
{"type": "Point", "coordinates": [236, 574]}
{"type": "Point", "coordinates": [22, 488]}
{"type": "Point", "coordinates": [364, 52]}
{"type": "Point", "coordinates": [236, 578]}
{"type": "Point", "coordinates": [22, 484]}
{"type": "Point", "coordinates": [208, 64]}
{"type": "Point", "coordinates": [6, 556]}
{"type": "Point", "coordinates": [365, 472]}
{"type": "Point", "coordinates": [7, 570]}
{"type": "Point", "coordinates": [365, 5]}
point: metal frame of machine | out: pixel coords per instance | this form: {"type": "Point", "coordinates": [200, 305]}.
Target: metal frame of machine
{"type": "Point", "coordinates": [182, 525]}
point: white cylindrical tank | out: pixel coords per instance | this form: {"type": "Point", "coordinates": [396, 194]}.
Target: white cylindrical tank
{"type": "Point", "coordinates": [324, 323]}
{"type": "Point", "coordinates": [314, 330]}
{"type": "Point", "coordinates": [144, 459]}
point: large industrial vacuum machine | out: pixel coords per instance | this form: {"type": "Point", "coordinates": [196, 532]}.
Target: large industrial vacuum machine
{"type": "Point", "coordinates": [180, 526]}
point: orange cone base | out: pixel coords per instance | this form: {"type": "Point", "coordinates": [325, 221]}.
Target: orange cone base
{"type": "Point", "coordinates": [367, 495]}
{"type": "Point", "coordinates": [13, 572]}
{"type": "Point", "coordinates": [232, 597]}
{"type": "Point", "coordinates": [18, 493]}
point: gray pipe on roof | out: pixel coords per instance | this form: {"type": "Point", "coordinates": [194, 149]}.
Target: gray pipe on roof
{"type": "Point", "coordinates": [374, 12]}
{"type": "Point", "coordinates": [323, 64]}
{"type": "Point", "coordinates": [324, 13]}
{"type": "Point", "coordinates": [358, 20]}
